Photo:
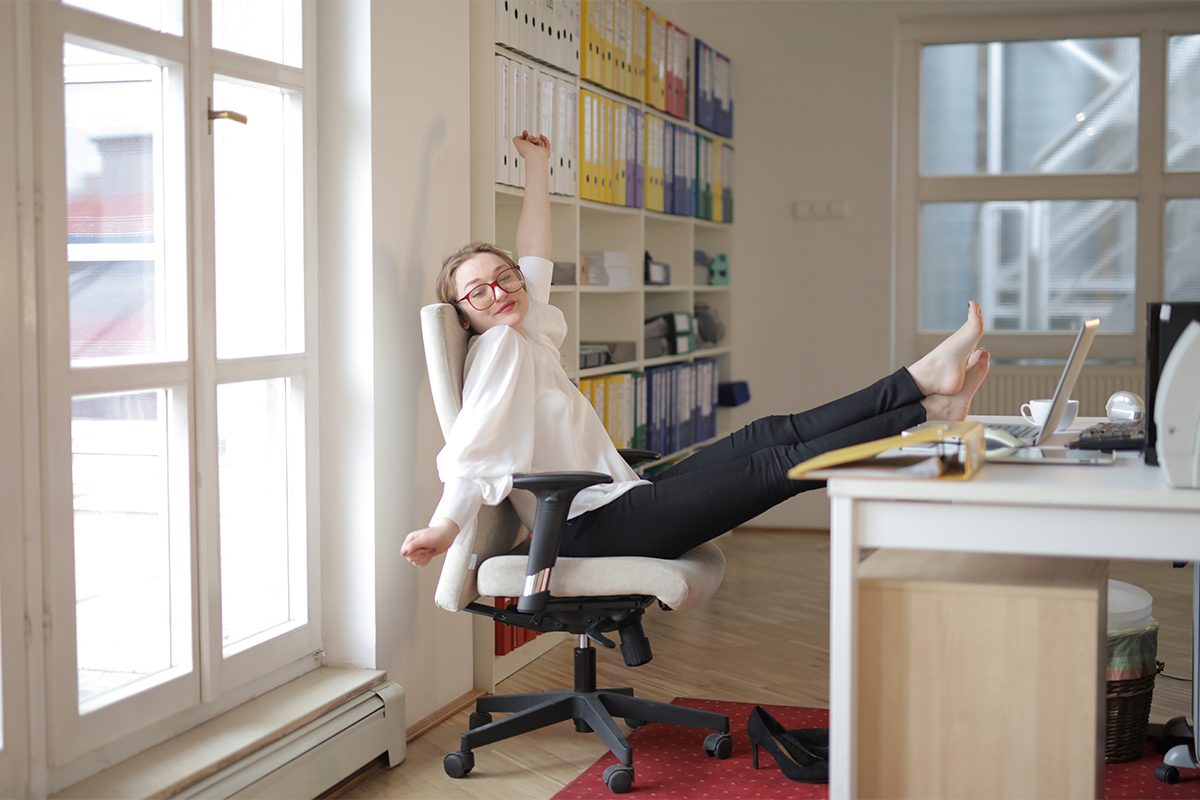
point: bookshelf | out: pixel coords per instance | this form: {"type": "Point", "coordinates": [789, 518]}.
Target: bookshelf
{"type": "Point", "coordinates": [593, 313]}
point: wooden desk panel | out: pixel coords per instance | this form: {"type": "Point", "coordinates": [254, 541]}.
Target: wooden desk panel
{"type": "Point", "coordinates": [980, 676]}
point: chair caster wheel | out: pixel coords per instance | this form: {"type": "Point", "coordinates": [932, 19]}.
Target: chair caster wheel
{"type": "Point", "coordinates": [1166, 773]}
{"type": "Point", "coordinates": [634, 724]}
{"type": "Point", "coordinates": [718, 745]}
{"type": "Point", "coordinates": [459, 763]}
{"type": "Point", "coordinates": [618, 778]}
{"type": "Point", "coordinates": [479, 719]}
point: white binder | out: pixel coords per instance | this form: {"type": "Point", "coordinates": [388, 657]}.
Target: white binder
{"type": "Point", "coordinates": [529, 37]}
{"type": "Point", "coordinates": [545, 123]}
{"type": "Point", "coordinates": [574, 35]}
{"type": "Point", "coordinates": [503, 17]}
{"type": "Point", "coordinates": [558, 138]}
{"type": "Point", "coordinates": [502, 120]}
{"type": "Point", "coordinates": [513, 111]}
{"type": "Point", "coordinates": [571, 139]}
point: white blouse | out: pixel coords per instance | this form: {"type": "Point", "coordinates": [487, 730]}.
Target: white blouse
{"type": "Point", "coordinates": [522, 414]}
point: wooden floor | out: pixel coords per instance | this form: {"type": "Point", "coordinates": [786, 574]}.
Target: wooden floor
{"type": "Point", "coordinates": [763, 638]}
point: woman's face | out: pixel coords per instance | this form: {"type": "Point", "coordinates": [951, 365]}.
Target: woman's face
{"type": "Point", "coordinates": [507, 309]}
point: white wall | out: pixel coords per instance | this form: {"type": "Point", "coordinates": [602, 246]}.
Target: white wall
{"type": "Point", "coordinates": [421, 143]}
{"type": "Point", "coordinates": [394, 199]}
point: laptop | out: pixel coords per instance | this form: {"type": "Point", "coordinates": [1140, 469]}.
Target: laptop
{"type": "Point", "coordinates": [1032, 434]}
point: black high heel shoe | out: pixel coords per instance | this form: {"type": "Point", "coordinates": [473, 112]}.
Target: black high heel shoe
{"type": "Point", "coordinates": [796, 761]}
{"type": "Point", "coordinates": [815, 739]}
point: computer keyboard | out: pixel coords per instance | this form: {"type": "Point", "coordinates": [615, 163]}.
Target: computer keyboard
{"type": "Point", "coordinates": [1025, 432]}
{"type": "Point", "coordinates": [1118, 435]}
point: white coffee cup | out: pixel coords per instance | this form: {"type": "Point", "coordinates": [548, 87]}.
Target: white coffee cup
{"type": "Point", "coordinates": [1035, 412]}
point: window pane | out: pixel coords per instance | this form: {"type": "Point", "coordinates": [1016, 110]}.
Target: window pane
{"type": "Point", "coordinates": [132, 565]}
{"type": "Point", "coordinates": [266, 29]}
{"type": "Point", "coordinates": [1183, 103]}
{"type": "Point", "coordinates": [1029, 107]}
{"type": "Point", "coordinates": [159, 15]}
{"type": "Point", "coordinates": [1182, 278]}
{"type": "Point", "coordinates": [259, 241]}
{"type": "Point", "coordinates": [263, 573]}
{"type": "Point", "coordinates": [1037, 265]}
{"type": "Point", "coordinates": [122, 283]}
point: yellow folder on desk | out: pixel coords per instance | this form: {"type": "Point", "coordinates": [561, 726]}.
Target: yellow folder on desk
{"type": "Point", "coordinates": [964, 453]}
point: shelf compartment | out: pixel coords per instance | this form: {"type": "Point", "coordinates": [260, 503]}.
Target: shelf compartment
{"type": "Point", "coordinates": [562, 227]}
{"type": "Point", "coordinates": [670, 241]}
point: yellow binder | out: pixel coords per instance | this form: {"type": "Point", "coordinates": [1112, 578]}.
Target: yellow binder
{"type": "Point", "coordinates": [638, 72]}
{"type": "Point", "coordinates": [656, 60]}
{"type": "Point", "coordinates": [587, 177]}
{"type": "Point", "coordinates": [608, 34]}
{"type": "Point", "coordinates": [962, 457]}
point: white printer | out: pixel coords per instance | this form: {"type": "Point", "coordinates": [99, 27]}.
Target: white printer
{"type": "Point", "coordinates": [1177, 411]}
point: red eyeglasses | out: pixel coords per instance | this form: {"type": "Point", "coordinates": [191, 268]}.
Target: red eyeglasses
{"type": "Point", "coordinates": [482, 296]}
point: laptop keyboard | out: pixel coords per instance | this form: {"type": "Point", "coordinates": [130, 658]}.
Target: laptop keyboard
{"type": "Point", "coordinates": [1024, 432]}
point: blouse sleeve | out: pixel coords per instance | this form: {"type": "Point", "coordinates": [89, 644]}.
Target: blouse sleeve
{"type": "Point", "coordinates": [544, 324]}
{"type": "Point", "coordinates": [492, 438]}
{"type": "Point", "coordinates": [538, 273]}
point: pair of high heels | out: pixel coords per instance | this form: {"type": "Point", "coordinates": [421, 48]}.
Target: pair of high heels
{"type": "Point", "coordinates": [802, 755]}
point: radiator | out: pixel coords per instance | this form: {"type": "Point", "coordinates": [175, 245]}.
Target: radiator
{"type": "Point", "coordinates": [1007, 386]}
{"type": "Point", "coordinates": [319, 755]}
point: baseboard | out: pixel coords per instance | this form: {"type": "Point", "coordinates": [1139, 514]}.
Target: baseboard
{"type": "Point", "coordinates": [442, 714]}
{"type": "Point", "coordinates": [752, 529]}
{"type": "Point", "coordinates": [506, 665]}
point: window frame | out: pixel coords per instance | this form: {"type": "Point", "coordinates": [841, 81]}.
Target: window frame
{"type": "Point", "coordinates": [212, 683]}
{"type": "Point", "coordinates": [15, 411]}
{"type": "Point", "coordinates": [1150, 185]}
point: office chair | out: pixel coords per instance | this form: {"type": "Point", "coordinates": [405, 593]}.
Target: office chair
{"type": "Point", "coordinates": [587, 597]}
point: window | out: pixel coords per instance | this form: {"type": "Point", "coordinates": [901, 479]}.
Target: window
{"type": "Point", "coordinates": [1050, 168]}
{"type": "Point", "coordinates": [178, 354]}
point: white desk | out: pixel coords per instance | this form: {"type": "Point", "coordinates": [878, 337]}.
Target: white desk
{"type": "Point", "coordinates": [1124, 511]}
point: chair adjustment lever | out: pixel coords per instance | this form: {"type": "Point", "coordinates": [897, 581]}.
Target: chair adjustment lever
{"type": "Point", "coordinates": [596, 635]}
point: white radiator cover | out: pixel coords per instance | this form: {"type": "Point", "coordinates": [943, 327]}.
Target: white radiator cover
{"type": "Point", "coordinates": [1007, 386]}
{"type": "Point", "coordinates": [319, 755]}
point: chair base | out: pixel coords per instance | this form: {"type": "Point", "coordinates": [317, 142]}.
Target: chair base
{"type": "Point", "coordinates": [591, 708]}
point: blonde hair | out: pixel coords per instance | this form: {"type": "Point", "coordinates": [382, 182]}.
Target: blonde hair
{"type": "Point", "coordinates": [447, 291]}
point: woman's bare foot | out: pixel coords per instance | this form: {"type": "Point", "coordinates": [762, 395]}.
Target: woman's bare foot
{"type": "Point", "coordinates": [955, 407]}
{"type": "Point", "coordinates": [942, 369]}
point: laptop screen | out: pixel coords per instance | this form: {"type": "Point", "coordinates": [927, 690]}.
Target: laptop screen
{"type": "Point", "coordinates": [1066, 383]}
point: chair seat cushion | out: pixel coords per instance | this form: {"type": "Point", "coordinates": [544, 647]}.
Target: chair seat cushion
{"type": "Point", "coordinates": [680, 583]}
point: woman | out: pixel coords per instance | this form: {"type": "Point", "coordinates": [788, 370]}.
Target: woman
{"type": "Point", "coordinates": [522, 414]}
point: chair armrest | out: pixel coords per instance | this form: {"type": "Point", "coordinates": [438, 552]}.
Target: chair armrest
{"type": "Point", "coordinates": [634, 457]}
{"type": "Point", "coordinates": [554, 492]}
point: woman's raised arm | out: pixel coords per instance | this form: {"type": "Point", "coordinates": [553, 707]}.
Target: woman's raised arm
{"type": "Point", "coordinates": [533, 229]}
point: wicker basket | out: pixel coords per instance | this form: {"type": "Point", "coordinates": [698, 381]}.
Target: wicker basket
{"type": "Point", "coordinates": [1128, 704]}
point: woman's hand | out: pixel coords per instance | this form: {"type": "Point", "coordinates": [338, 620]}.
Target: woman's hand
{"type": "Point", "coordinates": [530, 147]}
{"type": "Point", "coordinates": [421, 546]}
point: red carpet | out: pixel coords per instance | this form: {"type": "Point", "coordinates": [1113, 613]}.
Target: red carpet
{"type": "Point", "coordinates": [669, 762]}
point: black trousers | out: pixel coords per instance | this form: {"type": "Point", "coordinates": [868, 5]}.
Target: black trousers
{"type": "Point", "coordinates": [739, 477]}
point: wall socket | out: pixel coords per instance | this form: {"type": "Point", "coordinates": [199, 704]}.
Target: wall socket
{"type": "Point", "coordinates": [821, 209]}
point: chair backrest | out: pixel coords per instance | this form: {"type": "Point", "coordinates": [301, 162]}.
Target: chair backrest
{"type": "Point", "coordinates": [497, 529]}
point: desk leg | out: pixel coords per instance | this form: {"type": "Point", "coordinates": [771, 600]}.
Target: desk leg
{"type": "Point", "coordinates": [843, 644]}
{"type": "Point", "coordinates": [1195, 661]}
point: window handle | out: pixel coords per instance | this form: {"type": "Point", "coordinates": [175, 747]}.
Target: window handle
{"type": "Point", "coordinates": [233, 115]}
